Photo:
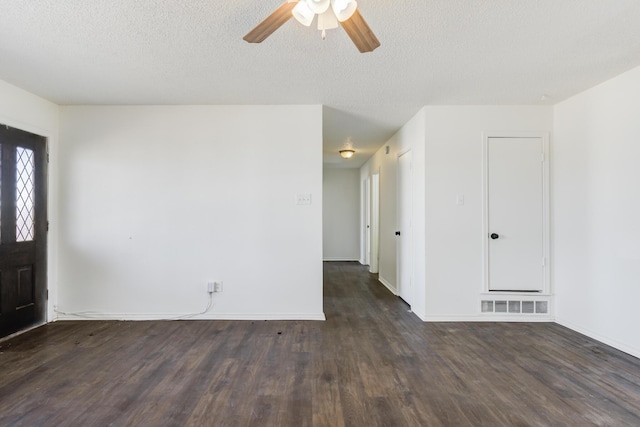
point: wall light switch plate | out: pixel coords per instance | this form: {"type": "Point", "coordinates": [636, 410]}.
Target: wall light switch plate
{"type": "Point", "coordinates": [303, 199]}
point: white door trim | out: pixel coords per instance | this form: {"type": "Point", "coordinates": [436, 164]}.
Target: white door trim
{"type": "Point", "coordinates": [545, 204]}
{"type": "Point", "coordinates": [363, 223]}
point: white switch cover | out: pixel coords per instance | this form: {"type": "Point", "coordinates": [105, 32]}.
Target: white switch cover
{"type": "Point", "coordinates": [459, 200]}
{"type": "Point", "coordinates": [303, 199]}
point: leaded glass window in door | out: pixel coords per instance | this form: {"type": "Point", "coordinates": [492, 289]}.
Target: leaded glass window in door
{"type": "Point", "coordinates": [25, 195]}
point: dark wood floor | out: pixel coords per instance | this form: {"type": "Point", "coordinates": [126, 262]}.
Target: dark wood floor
{"type": "Point", "coordinates": [370, 364]}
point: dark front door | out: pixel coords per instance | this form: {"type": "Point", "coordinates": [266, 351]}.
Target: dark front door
{"type": "Point", "coordinates": [23, 230]}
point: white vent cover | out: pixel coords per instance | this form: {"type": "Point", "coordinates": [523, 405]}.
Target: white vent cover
{"type": "Point", "coordinates": [528, 307]}
{"type": "Point", "coordinates": [542, 307]}
{"type": "Point", "coordinates": [514, 306]}
{"type": "Point", "coordinates": [487, 306]}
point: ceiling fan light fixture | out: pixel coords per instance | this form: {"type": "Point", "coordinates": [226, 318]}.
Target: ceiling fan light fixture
{"type": "Point", "coordinates": [327, 21]}
{"type": "Point", "coordinates": [303, 14]}
{"type": "Point", "coordinates": [318, 6]}
{"type": "Point", "coordinates": [347, 154]}
{"type": "Point", "coordinates": [344, 9]}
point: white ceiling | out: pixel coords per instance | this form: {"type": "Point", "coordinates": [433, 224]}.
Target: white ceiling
{"type": "Point", "coordinates": [433, 52]}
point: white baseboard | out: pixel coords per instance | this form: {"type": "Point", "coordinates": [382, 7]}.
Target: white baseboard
{"type": "Point", "coordinates": [421, 316]}
{"type": "Point", "coordinates": [387, 285]}
{"type": "Point", "coordinates": [486, 318]}
{"type": "Point", "coordinates": [603, 339]}
{"type": "Point", "coordinates": [187, 316]}
{"type": "Point", "coordinates": [331, 259]}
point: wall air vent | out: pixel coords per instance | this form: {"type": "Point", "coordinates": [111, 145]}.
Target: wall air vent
{"type": "Point", "coordinates": [515, 306]}
{"type": "Point", "coordinates": [487, 306]}
{"type": "Point", "coordinates": [528, 307]}
{"type": "Point", "coordinates": [542, 307]}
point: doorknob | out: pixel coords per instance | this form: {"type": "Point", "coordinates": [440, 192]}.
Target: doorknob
{"type": "Point", "coordinates": [494, 236]}
{"type": "Point", "coordinates": [397, 233]}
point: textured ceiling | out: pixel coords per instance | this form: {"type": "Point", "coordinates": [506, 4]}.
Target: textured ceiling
{"type": "Point", "coordinates": [433, 52]}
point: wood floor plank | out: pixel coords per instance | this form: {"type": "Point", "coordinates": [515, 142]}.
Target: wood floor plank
{"type": "Point", "coordinates": [371, 363]}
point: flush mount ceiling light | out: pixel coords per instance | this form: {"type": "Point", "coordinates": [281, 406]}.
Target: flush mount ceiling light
{"type": "Point", "coordinates": [347, 150]}
{"type": "Point", "coordinates": [330, 13]}
{"type": "Point", "coordinates": [347, 154]}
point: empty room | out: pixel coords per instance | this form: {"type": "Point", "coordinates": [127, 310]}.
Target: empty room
{"type": "Point", "coordinates": [417, 213]}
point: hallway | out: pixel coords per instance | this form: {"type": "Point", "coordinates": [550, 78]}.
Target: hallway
{"type": "Point", "coordinates": [372, 363]}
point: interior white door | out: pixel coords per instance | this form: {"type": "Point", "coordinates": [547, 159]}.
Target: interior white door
{"type": "Point", "coordinates": [375, 222]}
{"type": "Point", "coordinates": [515, 184]}
{"type": "Point", "coordinates": [404, 232]}
{"type": "Point", "coordinates": [367, 220]}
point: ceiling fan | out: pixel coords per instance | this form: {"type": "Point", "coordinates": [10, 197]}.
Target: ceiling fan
{"type": "Point", "coordinates": [330, 13]}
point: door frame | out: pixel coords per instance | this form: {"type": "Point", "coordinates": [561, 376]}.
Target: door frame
{"type": "Point", "coordinates": [51, 189]}
{"type": "Point", "coordinates": [545, 206]}
{"type": "Point", "coordinates": [366, 189]}
{"type": "Point", "coordinates": [409, 236]}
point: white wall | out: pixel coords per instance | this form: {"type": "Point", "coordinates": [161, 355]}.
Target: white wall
{"type": "Point", "coordinates": [446, 144]}
{"type": "Point", "coordinates": [596, 212]}
{"type": "Point", "coordinates": [454, 236]}
{"type": "Point", "coordinates": [341, 214]}
{"type": "Point", "coordinates": [23, 110]}
{"type": "Point", "coordinates": [157, 201]}
{"type": "Point", "coordinates": [410, 137]}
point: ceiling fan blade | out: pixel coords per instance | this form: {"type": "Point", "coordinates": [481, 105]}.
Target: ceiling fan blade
{"type": "Point", "coordinates": [271, 23]}
{"type": "Point", "coordinates": [360, 33]}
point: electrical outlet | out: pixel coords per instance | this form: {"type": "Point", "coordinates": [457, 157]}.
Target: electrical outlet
{"type": "Point", "coordinates": [211, 287]}
{"type": "Point", "coordinates": [217, 286]}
